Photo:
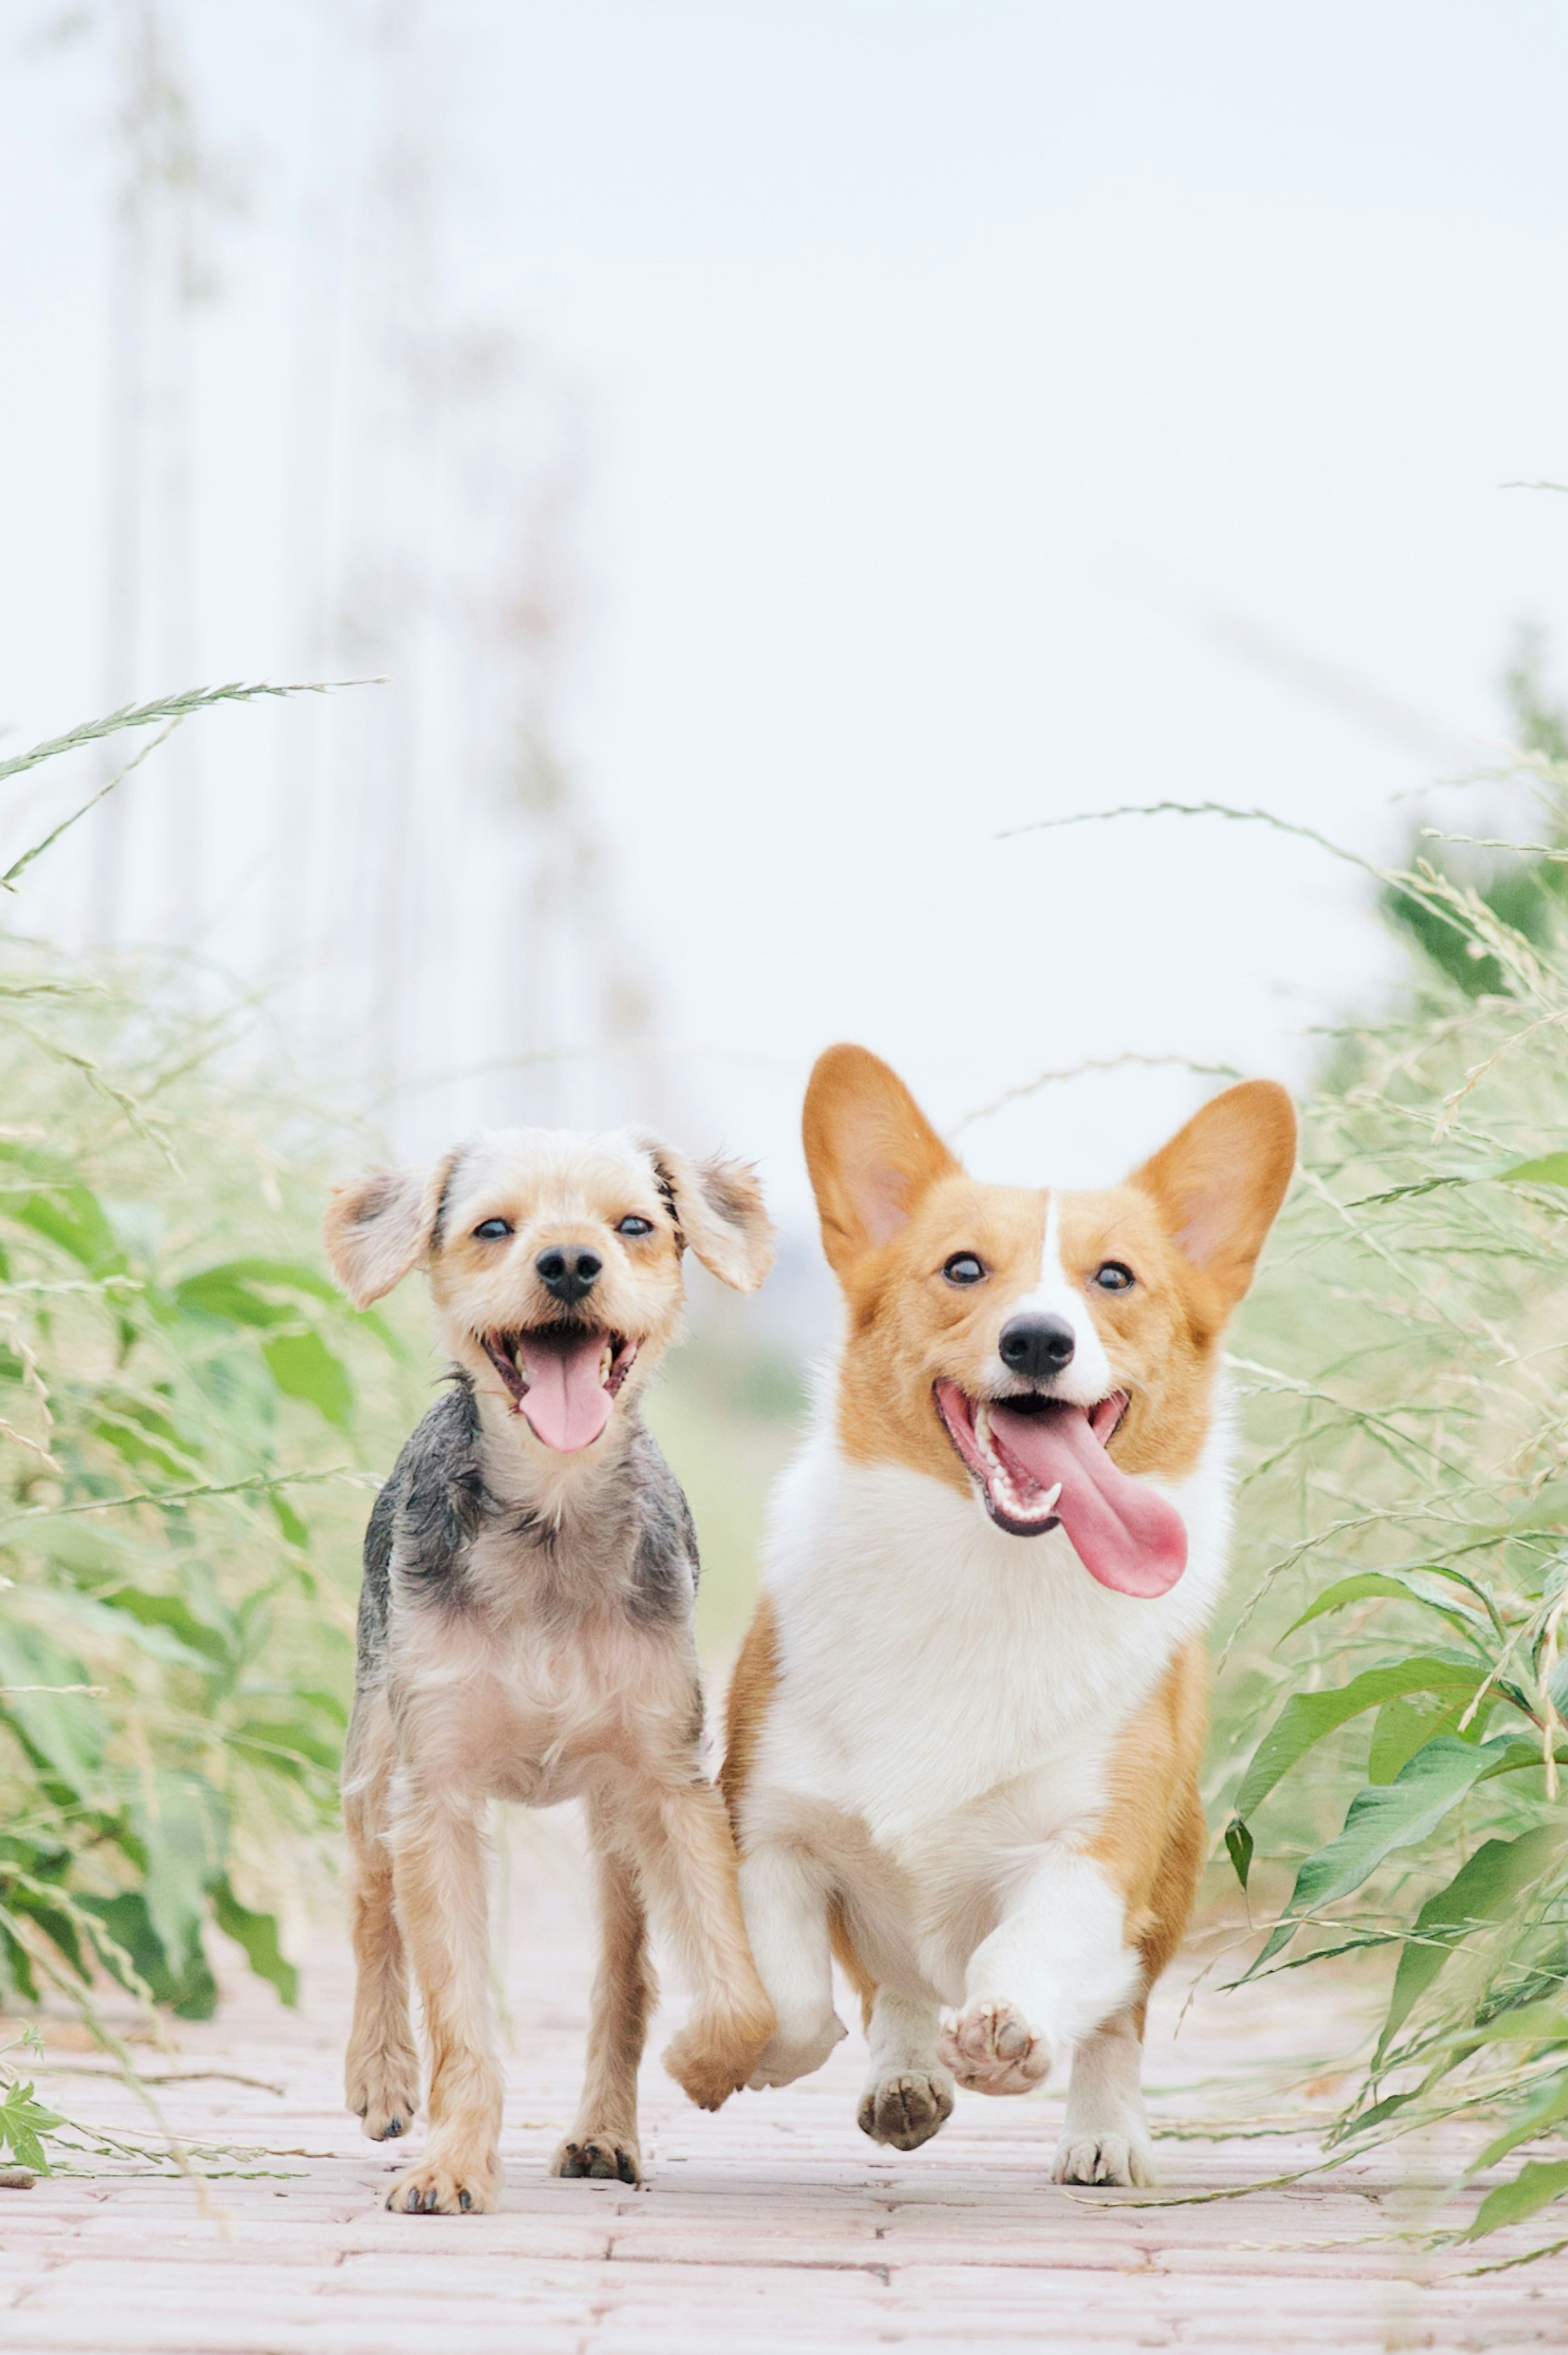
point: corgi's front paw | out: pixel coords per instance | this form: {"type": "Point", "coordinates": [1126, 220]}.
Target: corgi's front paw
{"type": "Point", "coordinates": [1111, 2157]}
{"type": "Point", "coordinates": [906, 2107]}
{"type": "Point", "coordinates": [991, 2049]}
{"type": "Point", "coordinates": [795, 2049]}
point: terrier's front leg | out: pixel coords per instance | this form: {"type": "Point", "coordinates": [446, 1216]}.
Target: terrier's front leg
{"type": "Point", "coordinates": [603, 2141]}
{"type": "Point", "coordinates": [443, 1909]}
{"type": "Point", "coordinates": [688, 1860]}
{"type": "Point", "coordinates": [784, 1895]}
{"type": "Point", "coordinates": [1055, 1967]}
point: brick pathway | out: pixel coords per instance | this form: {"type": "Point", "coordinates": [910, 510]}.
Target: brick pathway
{"type": "Point", "coordinates": [774, 2225]}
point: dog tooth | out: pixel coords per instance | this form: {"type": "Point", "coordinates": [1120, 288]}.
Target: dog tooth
{"type": "Point", "coordinates": [1048, 1503]}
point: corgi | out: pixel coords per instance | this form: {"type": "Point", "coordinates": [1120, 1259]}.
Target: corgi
{"type": "Point", "coordinates": [965, 1725]}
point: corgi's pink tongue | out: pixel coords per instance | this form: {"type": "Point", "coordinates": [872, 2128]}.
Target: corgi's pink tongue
{"type": "Point", "coordinates": [566, 1402]}
{"type": "Point", "coordinates": [1125, 1534]}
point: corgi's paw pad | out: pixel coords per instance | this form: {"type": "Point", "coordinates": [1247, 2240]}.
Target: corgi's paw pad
{"type": "Point", "coordinates": [906, 2107]}
{"type": "Point", "coordinates": [1124, 2159]}
{"type": "Point", "coordinates": [991, 2049]}
{"type": "Point", "coordinates": [793, 2052]}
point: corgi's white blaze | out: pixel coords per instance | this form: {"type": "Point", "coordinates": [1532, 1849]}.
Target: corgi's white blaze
{"type": "Point", "coordinates": [947, 1699]}
{"type": "Point", "coordinates": [1087, 1378]}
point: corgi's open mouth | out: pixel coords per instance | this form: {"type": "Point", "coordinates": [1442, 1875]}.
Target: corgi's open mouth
{"type": "Point", "coordinates": [561, 1378]}
{"type": "Point", "coordinates": [1042, 1464]}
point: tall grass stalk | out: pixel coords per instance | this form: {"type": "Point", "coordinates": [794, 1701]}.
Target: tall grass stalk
{"type": "Point", "coordinates": [1393, 1687]}
{"type": "Point", "coordinates": [185, 1405]}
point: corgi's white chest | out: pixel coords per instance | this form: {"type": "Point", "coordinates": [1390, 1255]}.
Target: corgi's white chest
{"type": "Point", "coordinates": [930, 1663]}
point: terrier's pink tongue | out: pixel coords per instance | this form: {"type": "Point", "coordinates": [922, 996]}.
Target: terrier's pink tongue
{"type": "Point", "coordinates": [1123, 1532]}
{"type": "Point", "coordinates": [566, 1403]}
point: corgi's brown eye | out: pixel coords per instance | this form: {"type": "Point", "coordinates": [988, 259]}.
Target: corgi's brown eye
{"type": "Point", "coordinates": [490, 1231]}
{"type": "Point", "coordinates": [635, 1226]}
{"type": "Point", "coordinates": [963, 1268]}
{"type": "Point", "coordinates": [1113, 1277]}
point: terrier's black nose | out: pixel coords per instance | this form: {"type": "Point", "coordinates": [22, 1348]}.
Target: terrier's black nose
{"type": "Point", "coordinates": [1036, 1345]}
{"type": "Point", "coordinates": [568, 1275]}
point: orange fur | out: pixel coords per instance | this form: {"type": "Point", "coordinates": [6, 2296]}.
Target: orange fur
{"type": "Point", "coordinates": [896, 1206]}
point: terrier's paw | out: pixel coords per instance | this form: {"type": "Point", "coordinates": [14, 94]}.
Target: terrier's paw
{"type": "Point", "coordinates": [790, 2052]}
{"type": "Point", "coordinates": [906, 2107]}
{"type": "Point", "coordinates": [1125, 2159]}
{"type": "Point", "coordinates": [715, 2054]}
{"type": "Point", "coordinates": [461, 2188]}
{"type": "Point", "coordinates": [383, 2091]}
{"type": "Point", "coordinates": [991, 2049]}
{"type": "Point", "coordinates": [609, 2158]}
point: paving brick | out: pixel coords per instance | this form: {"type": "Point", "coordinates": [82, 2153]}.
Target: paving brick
{"type": "Point", "coordinates": [774, 2226]}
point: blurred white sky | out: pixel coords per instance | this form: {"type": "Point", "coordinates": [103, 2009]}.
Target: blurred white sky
{"type": "Point", "coordinates": [952, 386]}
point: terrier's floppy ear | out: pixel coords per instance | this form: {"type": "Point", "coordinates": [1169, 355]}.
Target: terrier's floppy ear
{"type": "Point", "coordinates": [717, 1206]}
{"type": "Point", "coordinates": [381, 1224]}
{"type": "Point", "coordinates": [1220, 1182]}
{"type": "Point", "coordinates": [870, 1149]}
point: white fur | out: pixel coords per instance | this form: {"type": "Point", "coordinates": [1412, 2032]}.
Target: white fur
{"type": "Point", "coordinates": [935, 1746]}
{"type": "Point", "coordinates": [1087, 1378]}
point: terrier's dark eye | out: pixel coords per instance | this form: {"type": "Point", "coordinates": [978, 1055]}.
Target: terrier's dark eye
{"type": "Point", "coordinates": [490, 1231]}
{"type": "Point", "coordinates": [963, 1268]}
{"type": "Point", "coordinates": [1114, 1276]}
{"type": "Point", "coordinates": [636, 1226]}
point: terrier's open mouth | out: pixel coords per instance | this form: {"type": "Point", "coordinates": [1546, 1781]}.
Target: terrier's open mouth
{"type": "Point", "coordinates": [1042, 1464]}
{"type": "Point", "coordinates": [561, 1378]}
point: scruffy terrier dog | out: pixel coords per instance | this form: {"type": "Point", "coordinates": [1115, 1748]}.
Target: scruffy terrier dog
{"type": "Point", "coordinates": [525, 1633]}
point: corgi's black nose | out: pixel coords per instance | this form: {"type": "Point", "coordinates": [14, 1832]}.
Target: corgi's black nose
{"type": "Point", "coordinates": [1036, 1345]}
{"type": "Point", "coordinates": [568, 1275]}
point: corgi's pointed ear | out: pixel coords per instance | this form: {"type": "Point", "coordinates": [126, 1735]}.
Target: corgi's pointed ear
{"type": "Point", "coordinates": [717, 1206]}
{"type": "Point", "coordinates": [1220, 1182]}
{"type": "Point", "coordinates": [870, 1150]}
{"type": "Point", "coordinates": [381, 1224]}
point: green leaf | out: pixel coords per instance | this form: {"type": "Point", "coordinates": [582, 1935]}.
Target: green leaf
{"type": "Point", "coordinates": [1399, 1729]}
{"type": "Point", "coordinates": [218, 1293]}
{"type": "Point", "coordinates": [294, 1526]}
{"type": "Point", "coordinates": [287, 1276]}
{"type": "Point", "coordinates": [209, 1645]}
{"type": "Point", "coordinates": [1527, 2023]}
{"type": "Point", "coordinates": [1308, 1717]}
{"type": "Point", "coordinates": [1380, 1819]}
{"type": "Point", "coordinates": [304, 1367]}
{"type": "Point", "coordinates": [288, 1749]}
{"type": "Point", "coordinates": [1538, 2181]}
{"type": "Point", "coordinates": [1239, 1847]}
{"type": "Point", "coordinates": [23, 2120]}
{"type": "Point", "coordinates": [1549, 2109]}
{"type": "Point", "coordinates": [1550, 1169]}
{"type": "Point", "coordinates": [130, 1625]}
{"type": "Point", "coordinates": [1398, 1584]}
{"type": "Point", "coordinates": [62, 1730]}
{"type": "Point", "coordinates": [186, 1984]}
{"type": "Point", "coordinates": [258, 1933]}
{"type": "Point", "coordinates": [1481, 1891]}
{"type": "Point", "coordinates": [181, 1830]}
{"type": "Point", "coordinates": [74, 1219]}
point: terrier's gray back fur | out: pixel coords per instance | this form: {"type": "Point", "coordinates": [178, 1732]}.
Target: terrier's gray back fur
{"type": "Point", "coordinates": [635, 1539]}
